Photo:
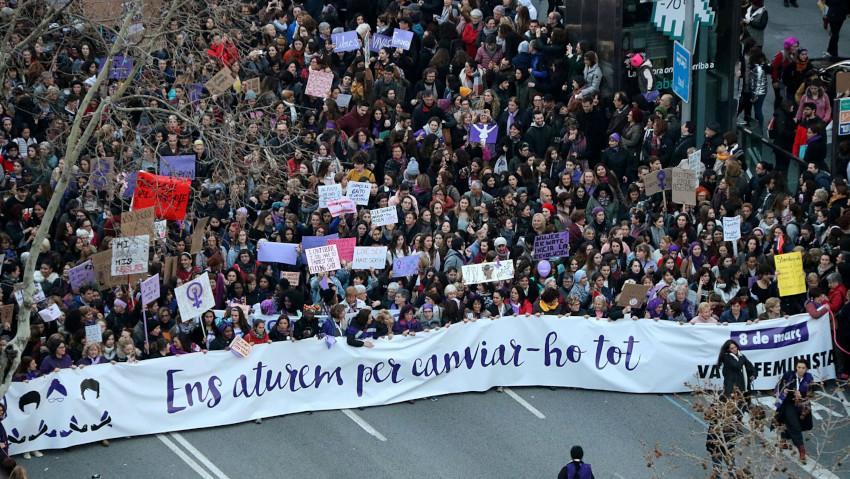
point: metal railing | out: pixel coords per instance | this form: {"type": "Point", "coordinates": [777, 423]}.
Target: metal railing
{"type": "Point", "coordinates": [760, 148]}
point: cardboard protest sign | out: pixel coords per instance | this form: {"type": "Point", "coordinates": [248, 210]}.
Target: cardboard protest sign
{"type": "Point", "coordinates": [406, 266]}
{"type": "Point", "coordinates": [319, 83]}
{"type": "Point", "coordinates": [221, 81]}
{"type": "Point", "coordinates": [384, 216]}
{"type": "Point", "coordinates": [138, 222]}
{"type": "Point", "coordinates": [50, 314]}
{"type": "Point", "coordinates": [240, 347]}
{"type": "Point", "coordinates": [194, 297]}
{"type": "Point", "coordinates": [292, 276]}
{"type": "Point", "coordinates": [657, 181]}
{"type": "Point", "coordinates": [329, 192]}
{"type": "Point", "coordinates": [252, 84]}
{"type": "Point", "coordinates": [93, 334]}
{"type": "Point", "coordinates": [633, 295]}
{"type": "Point", "coordinates": [102, 263]}
{"type": "Point", "coordinates": [488, 272]}
{"type": "Point", "coordinates": [130, 255]}
{"type": "Point", "coordinates": [341, 206]}
{"type": "Point", "coordinates": [169, 196]}
{"type": "Point", "coordinates": [484, 134]}
{"type": "Point", "coordinates": [150, 289]}
{"type": "Point", "coordinates": [308, 242]}
{"type": "Point", "coordinates": [7, 311]}
{"type": "Point", "coordinates": [102, 172]}
{"type": "Point", "coordinates": [269, 252]}
{"type": "Point", "coordinates": [81, 274]}
{"type": "Point", "coordinates": [169, 268]}
{"type": "Point", "coordinates": [402, 39]}
{"type": "Point", "coordinates": [731, 228]}
{"type": "Point", "coordinates": [323, 258]}
{"type": "Point", "coordinates": [345, 41]}
{"type": "Point", "coordinates": [359, 192]}
{"type": "Point", "coordinates": [198, 235]}
{"type": "Point", "coordinates": [380, 41]}
{"type": "Point", "coordinates": [37, 297]}
{"type": "Point", "coordinates": [683, 186]}
{"type": "Point", "coordinates": [789, 273]}
{"type": "Point", "coordinates": [345, 247]}
{"type": "Point", "coordinates": [181, 166]}
{"type": "Point", "coordinates": [366, 257]}
{"type": "Point", "coordinates": [554, 245]}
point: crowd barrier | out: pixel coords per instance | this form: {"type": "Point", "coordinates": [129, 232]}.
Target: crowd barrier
{"type": "Point", "coordinates": [202, 390]}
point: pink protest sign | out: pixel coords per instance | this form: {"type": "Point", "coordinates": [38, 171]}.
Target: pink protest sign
{"type": "Point", "coordinates": [345, 247]}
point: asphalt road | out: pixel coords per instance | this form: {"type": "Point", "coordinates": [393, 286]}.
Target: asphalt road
{"type": "Point", "coordinates": [466, 435]}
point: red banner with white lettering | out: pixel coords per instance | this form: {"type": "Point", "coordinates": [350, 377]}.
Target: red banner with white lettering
{"type": "Point", "coordinates": [168, 195]}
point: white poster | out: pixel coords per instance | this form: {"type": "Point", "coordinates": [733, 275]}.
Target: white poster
{"type": "Point", "coordinates": [195, 297]}
{"type": "Point", "coordinates": [366, 257]}
{"type": "Point", "coordinates": [327, 193]}
{"type": "Point", "coordinates": [359, 192]}
{"type": "Point", "coordinates": [130, 255]}
{"type": "Point", "coordinates": [731, 228]}
{"type": "Point", "coordinates": [323, 258]}
{"type": "Point", "coordinates": [384, 216]}
{"type": "Point", "coordinates": [640, 356]}
{"type": "Point", "coordinates": [488, 272]}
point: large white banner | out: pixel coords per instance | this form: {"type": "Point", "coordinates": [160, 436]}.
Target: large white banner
{"type": "Point", "coordinates": [202, 390]}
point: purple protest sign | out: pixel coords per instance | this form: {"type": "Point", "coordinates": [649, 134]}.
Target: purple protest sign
{"type": "Point", "coordinates": [150, 289]}
{"type": "Point", "coordinates": [195, 92]}
{"type": "Point", "coordinates": [101, 172]}
{"type": "Point", "coordinates": [269, 252]}
{"type": "Point", "coordinates": [121, 67]}
{"type": "Point", "coordinates": [552, 245]}
{"type": "Point", "coordinates": [484, 134]}
{"type": "Point", "coordinates": [130, 179]}
{"type": "Point", "coordinates": [406, 266]}
{"type": "Point", "coordinates": [308, 242]}
{"type": "Point", "coordinates": [82, 274]}
{"type": "Point", "coordinates": [402, 39]}
{"type": "Point", "coordinates": [345, 41]}
{"type": "Point", "coordinates": [771, 338]}
{"type": "Point", "coordinates": [182, 166]}
{"type": "Point", "coordinates": [380, 41]}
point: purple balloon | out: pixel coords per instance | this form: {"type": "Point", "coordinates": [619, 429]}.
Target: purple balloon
{"type": "Point", "coordinates": [544, 268]}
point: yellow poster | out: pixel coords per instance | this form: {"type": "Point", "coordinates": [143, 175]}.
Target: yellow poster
{"type": "Point", "coordinates": [789, 274]}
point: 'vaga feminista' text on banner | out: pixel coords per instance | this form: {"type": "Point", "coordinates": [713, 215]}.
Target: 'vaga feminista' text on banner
{"type": "Point", "coordinates": [203, 390]}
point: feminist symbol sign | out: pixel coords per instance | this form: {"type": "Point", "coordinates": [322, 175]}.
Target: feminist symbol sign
{"type": "Point", "coordinates": [661, 177]}
{"type": "Point", "coordinates": [194, 293]}
{"type": "Point", "coordinates": [195, 297]}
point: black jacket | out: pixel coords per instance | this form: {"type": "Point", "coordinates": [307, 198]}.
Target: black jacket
{"type": "Point", "coordinates": [733, 373]}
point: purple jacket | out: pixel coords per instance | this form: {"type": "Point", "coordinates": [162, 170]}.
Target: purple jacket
{"type": "Point", "coordinates": [51, 362]}
{"type": "Point", "coordinates": [401, 326]}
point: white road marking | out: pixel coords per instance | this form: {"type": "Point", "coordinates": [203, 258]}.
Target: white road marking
{"type": "Point", "coordinates": [524, 403]}
{"type": "Point", "coordinates": [812, 467]}
{"type": "Point", "coordinates": [363, 424]}
{"type": "Point", "coordinates": [195, 452]}
{"type": "Point", "coordinates": [182, 455]}
{"type": "Point", "coordinates": [836, 398]}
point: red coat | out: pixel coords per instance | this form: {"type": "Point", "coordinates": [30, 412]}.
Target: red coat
{"type": "Point", "coordinates": [253, 339]}
{"type": "Point", "coordinates": [836, 298]}
{"type": "Point", "coordinates": [226, 52]}
{"type": "Point", "coordinates": [470, 36]}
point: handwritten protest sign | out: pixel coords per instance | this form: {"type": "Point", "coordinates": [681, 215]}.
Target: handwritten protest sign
{"type": "Point", "coordinates": [384, 216]}
{"type": "Point", "coordinates": [731, 228]}
{"type": "Point", "coordinates": [484, 134]}
{"type": "Point", "coordinates": [345, 247]}
{"type": "Point", "coordinates": [181, 166]}
{"type": "Point", "coordinates": [323, 258]}
{"type": "Point", "coordinates": [121, 67]}
{"type": "Point", "coordinates": [252, 84]}
{"type": "Point", "coordinates": [221, 81]}
{"type": "Point", "coordinates": [93, 334]}
{"type": "Point", "coordinates": [359, 192]}
{"type": "Point", "coordinates": [319, 83]}
{"type": "Point", "coordinates": [292, 276]}
{"type": "Point", "coordinates": [194, 297]}
{"type": "Point", "coordinates": [366, 257]}
{"type": "Point", "coordinates": [380, 41]}
{"type": "Point", "coordinates": [402, 39]}
{"type": "Point", "coordinates": [169, 196]}
{"type": "Point", "coordinates": [130, 255]}
{"type": "Point", "coordinates": [102, 172]}
{"type": "Point", "coordinates": [329, 192]}
{"type": "Point", "coordinates": [683, 186]}
{"type": "Point", "coordinates": [150, 289]}
{"type": "Point", "coordinates": [789, 273]}
{"type": "Point", "coordinates": [308, 242]}
{"type": "Point", "coordinates": [633, 295]}
{"type": "Point", "coordinates": [341, 206]}
{"type": "Point", "coordinates": [138, 222]}
{"type": "Point", "coordinates": [657, 181]}
{"type": "Point", "coordinates": [343, 100]}
{"type": "Point", "coordinates": [345, 41]}
{"type": "Point", "coordinates": [240, 347]}
{"type": "Point", "coordinates": [50, 314]}
{"type": "Point", "coordinates": [6, 312]}
{"type": "Point", "coordinates": [406, 266]}
{"type": "Point", "coordinates": [695, 164]}
{"type": "Point", "coordinates": [488, 272]}
{"type": "Point", "coordinates": [269, 252]}
{"type": "Point", "coordinates": [102, 263]}
{"type": "Point", "coordinates": [81, 274]}
{"type": "Point", "coordinates": [198, 235]}
{"type": "Point", "coordinates": [552, 245]}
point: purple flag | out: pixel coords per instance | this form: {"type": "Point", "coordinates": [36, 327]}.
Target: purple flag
{"type": "Point", "coordinates": [484, 134]}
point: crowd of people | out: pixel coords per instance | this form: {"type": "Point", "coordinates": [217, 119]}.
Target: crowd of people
{"type": "Point", "coordinates": [567, 157]}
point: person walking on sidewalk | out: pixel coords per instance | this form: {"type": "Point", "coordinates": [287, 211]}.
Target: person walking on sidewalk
{"type": "Point", "coordinates": [834, 14]}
